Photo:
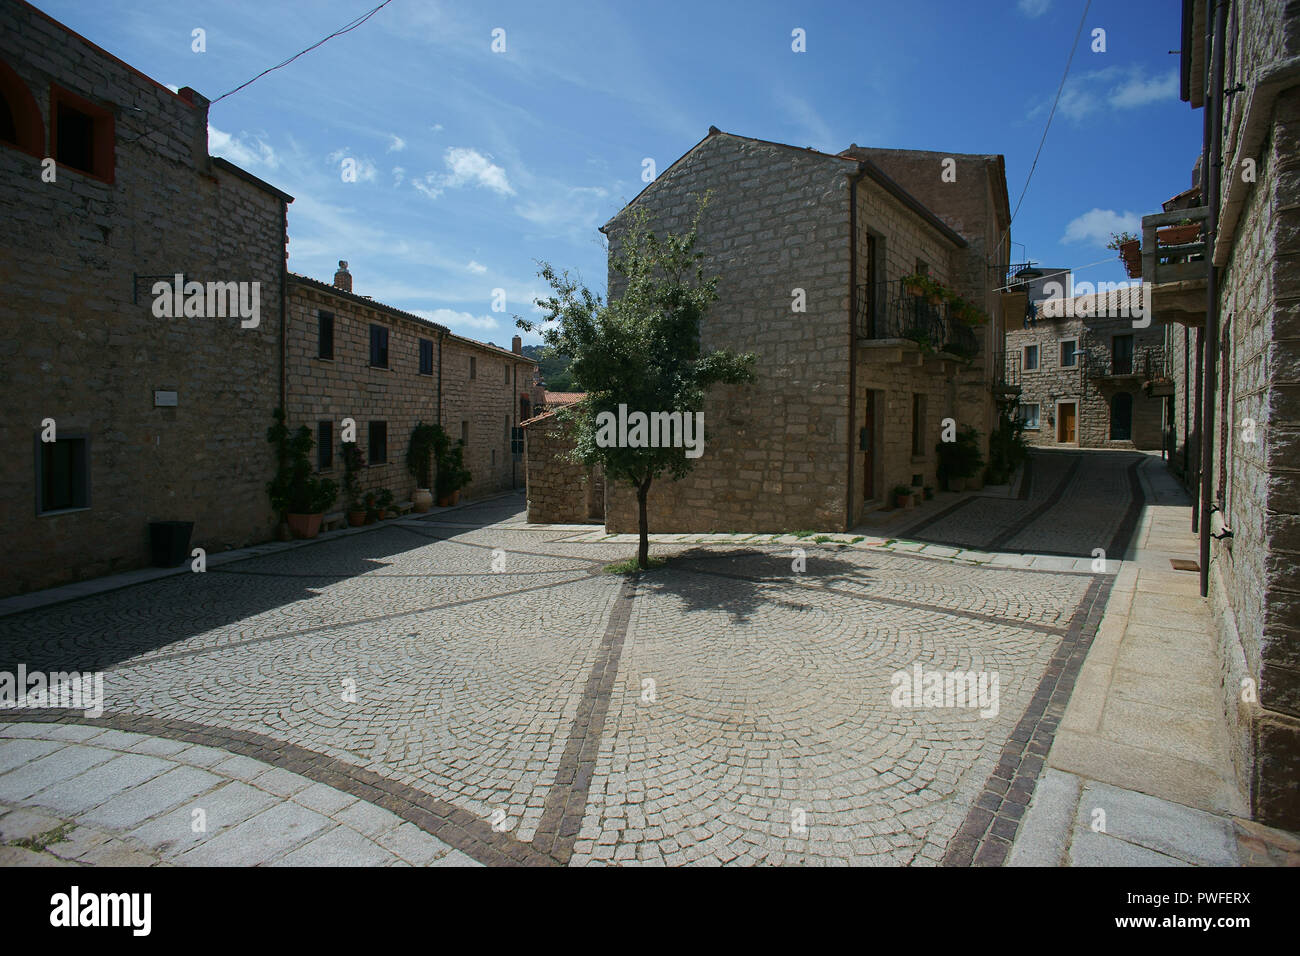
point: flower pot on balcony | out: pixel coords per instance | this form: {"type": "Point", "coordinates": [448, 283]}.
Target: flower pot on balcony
{"type": "Point", "coordinates": [1178, 235]}
{"type": "Point", "coordinates": [304, 526]}
{"type": "Point", "coordinates": [1131, 253]}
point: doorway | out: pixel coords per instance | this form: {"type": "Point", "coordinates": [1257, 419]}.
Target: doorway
{"type": "Point", "coordinates": [1121, 417]}
{"type": "Point", "coordinates": [1066, 415]}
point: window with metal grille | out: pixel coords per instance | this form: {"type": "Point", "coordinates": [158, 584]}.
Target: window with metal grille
{"type": "Point", "coordinates": [324, 446]}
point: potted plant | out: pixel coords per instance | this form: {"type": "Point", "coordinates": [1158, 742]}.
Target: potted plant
{"type": "Point", "coordinates": [1182, 232]}
{"type": "Point", "coordinates": [1130, 252]}
{"type": "Point", "coordinates": [914, 284]}
{"type": "Point", "coordinates": [960, 461]}
{"type": "Point", "coordinates": [301, 497]}
{"type": "Point", "coordinates": [428, 444]}
{"type": "Point", "coordinates": [351, 486]}
{"type": "Point", "coordinates": [902, 496]}
{"type": "Point", "coordinates": [452, 475]}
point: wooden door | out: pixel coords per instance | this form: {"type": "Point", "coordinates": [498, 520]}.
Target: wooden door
{"type": "Point", "coordinates": [1065, 423]}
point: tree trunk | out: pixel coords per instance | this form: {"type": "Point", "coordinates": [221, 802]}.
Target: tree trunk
{"type": "Point", "coordinates": [643, 547]}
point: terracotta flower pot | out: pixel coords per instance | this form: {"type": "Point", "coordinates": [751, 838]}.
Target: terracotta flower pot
{"type": "Point", "coordinates": [304, 526]}
{"type": "Point", "coordinates": [356, 518]}
{"type": "Point", "coordinates": [455, 496]}
{"type": "Point", "coordinates": [422, 500]}
{"type": "Point", "coordinates": [1177, 235]}
{"type": "Point", "coordinates": [444, 501]}
{"type": "Point", "coordinates": [1131, 253]}
{"type": "Point", "coordinates": [902, 501]}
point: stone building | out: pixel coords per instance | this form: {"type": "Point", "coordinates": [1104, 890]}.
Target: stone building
{"type": "Point", "coordinates": [854, 375]}
{"type": "Point", "coordinates": [154, 416]}
{"type": "Point", "coordinates": [1230, 296]}
{"type": "Point", "coordinates": [1090, 377]}
{"type": "Point", "coordinates": [560, 490]}
{"type": "Point", "coordinates": [349, 356]}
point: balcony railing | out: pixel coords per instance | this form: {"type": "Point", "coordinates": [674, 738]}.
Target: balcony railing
{"type": "Point", "coordinates": [891, 313]}
{"type": "Point", "coordinates": [1173, 251]}
{"type": "Point", "coordinates": [1006, 371]}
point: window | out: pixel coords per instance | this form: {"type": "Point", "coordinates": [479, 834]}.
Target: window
{"type": "Point", "coordinates": [1031, 358]}
{"type": "Point", "coordinates": [324, 446]}
{"type": "Point", "coordinates": [1121, 417]}
{"type": "Point", "coordinates": [378, 450]}
{"type": "Point", "coordinates": [62, 474]}
{"type": "Point", "coordinates": [378, 347]}
{"type": "Point", "coordinates": [473, 367]}
{"type": "Point", "coordinates": [922, 267]}
{"type": "Point", "coordinates": [464, 432]}
{"type": "Point", "coordinates": [325, 335]}
{"type": "Point", "coordinates": [524, 408]}
{"type": "Point", "coordinates": [1122, 355]}
{"type": "Point", "coordinates": [1069, 353]}
{"type": "Point", "coordinates": [81, 134]}
{"type": "Point", "coordinates": [918, 426]}
{"type": "Point", "coordinates": [426, 356]}
{"type": "Point", "coordinates": [1029, 415]}
{"type": "Point", "coordinates": [21, 124]}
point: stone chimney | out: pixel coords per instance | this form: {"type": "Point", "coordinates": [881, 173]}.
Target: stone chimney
{"type": "Point", "coordinates": [517, 345]}
{"type": "Point", "coordinates": [343, 278]}
{"type": "Point", "coordinates": [199, 137]}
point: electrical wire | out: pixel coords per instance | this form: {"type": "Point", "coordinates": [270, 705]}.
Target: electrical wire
{"type": "Point", "coordinates": [346, 28]}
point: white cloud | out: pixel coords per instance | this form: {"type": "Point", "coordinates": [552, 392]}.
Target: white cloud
{"type": "Point", "coordinates": [243, 150]}
{"type": "Point", "coordinates": [1116, 88]}
{"type": "Point", "coordinates": [465, 167]}
{"type": "Point", "coordinates": [476, 267]}
{"type": "Point", "coordinates": [399, 174]}
{"type": "Point", "coordinates": [396, 144]}
{"type": "Point", "coordinates": [1033, 8]}
{"type": "Point", "coordinates": [453, 319]}
{"type": "Point", "coordinates": [1096, 225]}
{"type": "Point", "coordinates": [1138, 91]}
{"type": "Point", "coordinates": [436, 127]}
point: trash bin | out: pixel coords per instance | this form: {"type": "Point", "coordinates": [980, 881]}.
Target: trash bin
{"type": "Point", "coordinates": [170, 542]}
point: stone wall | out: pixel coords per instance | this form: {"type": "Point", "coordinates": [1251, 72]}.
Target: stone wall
{"type": "Point", "coordinates": [776, 453]}
{"type": "Point", "coordinates": [1052, 383]}
{"type": "Point", "coordinates": [560, 490]}
{"type": "Point", "coordinates": [347, 387]}
{"type": "Point", "coordinates": [1255, 584]}
{"type": "Point", "coordinates": [83, 347]}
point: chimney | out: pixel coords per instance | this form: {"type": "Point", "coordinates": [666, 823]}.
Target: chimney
{"type": "Point", "coordinates": [517, 345]}
{"type": "Point", "coordinates": [343, 278]}
{"type": "Point", "coordinates": [199, 136]}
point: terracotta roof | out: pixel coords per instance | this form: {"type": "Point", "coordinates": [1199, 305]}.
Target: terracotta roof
{"type": "Point", "coordinates": [564, 398]}
{"type": "Point", "coordinates": [536, 418]}
{"type": "Point", "coordinates": [362, 300]}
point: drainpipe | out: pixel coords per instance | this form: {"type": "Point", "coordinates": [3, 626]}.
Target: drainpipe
{"type": "Point", "coordinates": [853, 340]}
{"type": "Point", "coordinates": [1211, 337]}
{"type": "Point", "coordinates": [284, 307]}
{"type": "Point", "coordinates": [441, 335]}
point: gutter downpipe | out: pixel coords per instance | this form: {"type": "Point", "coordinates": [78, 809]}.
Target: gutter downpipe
{"type": "Point", "coordinates": [284, 309]}
{"type": "Point", "coordinates": [1212, 290]}
{"type": "Point", "coordinates": [441, 336]}
{"type": "Point", "coordinates": [853, 338]}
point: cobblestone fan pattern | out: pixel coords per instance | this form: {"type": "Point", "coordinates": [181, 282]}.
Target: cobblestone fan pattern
{"type": "Point", "coordinates": [507, 712]}
{"type": "Point", "coordinates": [1076, 503]}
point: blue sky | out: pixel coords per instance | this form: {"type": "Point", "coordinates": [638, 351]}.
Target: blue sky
{"type": "Point", "coordinates": [471, 165]}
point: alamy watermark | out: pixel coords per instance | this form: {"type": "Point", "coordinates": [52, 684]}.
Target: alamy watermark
{"type": "Point", "coordinates": [1105, 300]}
{"type": "Point", "coordinates": [653, 430]}
{"type": "Point", "coordinates": [213, 300]}
{"type": "Point", "coordinates": [58, 689]}
{"type": "Point", "coordinates": [931, 688]}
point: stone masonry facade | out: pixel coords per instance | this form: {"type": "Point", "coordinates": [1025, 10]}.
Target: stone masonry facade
{"type": "Point", "coordinates": [80, 340]}
{"type": "Point", "coordinates": [1096, 378]}
{"type": "Point", "coordinates": [1254, 570]}
{"type": "Point", "coordinates": [477, 400]}
{"type": "Point", "coordinates": [560, 490]}
{"type": "Point", "coordinates": [782, 453]}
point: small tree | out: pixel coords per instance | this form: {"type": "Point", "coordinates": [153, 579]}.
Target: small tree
{"type": "Point", "coordinates": [641, 349]}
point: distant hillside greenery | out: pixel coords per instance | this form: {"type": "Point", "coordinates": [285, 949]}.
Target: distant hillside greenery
{"type": "Point", "coordinates": [555, 368]}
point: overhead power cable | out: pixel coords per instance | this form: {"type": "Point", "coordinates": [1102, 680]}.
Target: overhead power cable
{"type": "Point", "coordinates": [346, 28]}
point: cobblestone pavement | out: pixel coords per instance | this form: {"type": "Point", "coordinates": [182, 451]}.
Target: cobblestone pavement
{"type": "Point", "coordinates": [1070, 503]}
{"type": "Point", "coordinates": [486, 683]}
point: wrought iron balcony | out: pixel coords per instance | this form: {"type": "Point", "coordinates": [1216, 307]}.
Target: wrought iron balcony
{"type": "Point", "coordinates": [891, 313]}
